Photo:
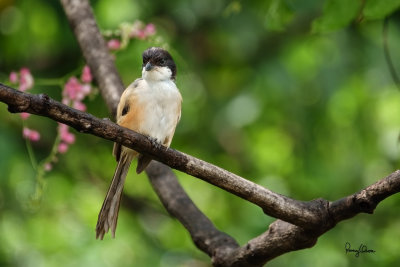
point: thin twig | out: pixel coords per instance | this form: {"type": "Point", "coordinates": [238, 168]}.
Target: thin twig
{"type": "Point", "coordinates": [386, 51]}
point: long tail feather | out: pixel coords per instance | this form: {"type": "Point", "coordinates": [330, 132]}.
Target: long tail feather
{"type": "Point", "coordinates": [108, 215]}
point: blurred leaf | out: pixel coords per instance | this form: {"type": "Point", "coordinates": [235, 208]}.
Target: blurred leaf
{"type": "Point", "coordinates": [337, 14]}
{"type": "Point", "coordinates": [233, 7]}
{"type": "Point", "coordinates": [278, 16]}
{"type": "Point", "coordinates": [375, 9]}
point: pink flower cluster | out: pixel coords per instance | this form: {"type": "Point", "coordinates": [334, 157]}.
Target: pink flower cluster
{"type": "Point", "coordinates": [67, 138]}
{"type": "Point", "coordinates": [137, 30]}
{"type": "Point", "coordinates": [30, 134]}
{"type": "Point", "coordinates": [114, 44]}
{"type": "Point", "coordinates": [25, 81]}
{"type": "Point", "coordinates": [73, 94]}
{"type": "Point", "coordinates": [74, 91]}
{"type": "Point", "coordinates": [141, 31]}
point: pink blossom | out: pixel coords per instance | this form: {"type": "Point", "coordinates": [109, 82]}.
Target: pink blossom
{"type": "Point", "coordinates": [26, 132]}
{"type": "Point", "coordinates": [79, 106]}
{"type": "Point", "coordinates": [114, 44]}
{"type": "Point", "coordinates": [24, 78]}
{"type": "Point", "coordinates": [65, 135]}
{"type": "Point", "coordinates": [26, 81]}
{"type": "Point", "coordinates": [80, 95]}
{"type": "Point", "coordinates": [48, 167]}
{"type": "Point", "coordinates": [75, 91]}
{"type": "Point", "coordinates": [65, 101]}
{"type": "Point", "coordinates": [141, 31]}
{"type": "Point", "coordinates": [13, 77]}
{"type": "Point", "coordinates": [141, 35]}
{"type": "Point", "coordinates": [62, 128]}
{"type": "Point", "coordinates": [150, 29]}
{"type": "Point", "coordinates": [24, 115]}
{"type": "Point", "coordinates": [72, 88]}
{"type": "Point", "coordinates": [62, 148]}
{"type": "Point", "coordinates": [137, 26]}
{"type": "Point", "coordinates": [68, 137]}
{"type": "Point", "coordinates": [86, 89]}
{"type": "Point", "coordinates": [86, 76]}
{"type": "Point", "coordinates": [34, 136]}
{"type": "Point", "coordinates": [31, 134]}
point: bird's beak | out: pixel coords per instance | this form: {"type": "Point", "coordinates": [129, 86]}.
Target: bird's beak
{"type": "Point", "coordinates": [148, 66]}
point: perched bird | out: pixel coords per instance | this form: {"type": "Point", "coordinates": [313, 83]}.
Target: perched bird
{"type": "Point", "coordinates": [151, 105]}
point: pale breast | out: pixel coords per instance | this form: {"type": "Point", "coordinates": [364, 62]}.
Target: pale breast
{"type": "Point", "coordinates": [161, 102]}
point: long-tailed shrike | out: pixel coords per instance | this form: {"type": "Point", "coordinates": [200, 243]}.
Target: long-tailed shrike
{"type": "Point", "coordinates": [151, 106]}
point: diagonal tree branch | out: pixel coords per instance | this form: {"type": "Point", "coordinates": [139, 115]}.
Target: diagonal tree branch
{"type": "Point", "coordinates": [208, 239]}
{"type": "Point", "coordinates": [300, 223]}
{"type": "Point", "coordinates": [297, 212]}
{"type": "Point", "coordinates": [80, 16]}
{"type": "Point", "coordinates": [94, 49]}
{"type": "Point", "coordinates": [281, 236]}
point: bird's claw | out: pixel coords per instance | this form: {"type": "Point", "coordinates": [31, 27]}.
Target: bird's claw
{"type": "Point", "coordinates": [155, 143]}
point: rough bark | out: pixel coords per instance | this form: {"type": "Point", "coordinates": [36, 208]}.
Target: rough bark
{"type": "Point", "coordinates": [299, 223]}
{"type": "Point", "coordinates": [80, 16]}
{"type": "Point", "coordinates": [94, 49]}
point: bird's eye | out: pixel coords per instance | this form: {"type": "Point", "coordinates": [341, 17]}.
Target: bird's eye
{"type": "Point", "coordinates": [162, 62]}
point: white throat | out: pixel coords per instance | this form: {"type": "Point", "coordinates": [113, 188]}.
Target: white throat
{"type": "Point", "coordinates": [157, 74]}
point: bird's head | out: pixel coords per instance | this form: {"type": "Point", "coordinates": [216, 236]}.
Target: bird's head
{"type": "Point", "coordinates": [158, 65]}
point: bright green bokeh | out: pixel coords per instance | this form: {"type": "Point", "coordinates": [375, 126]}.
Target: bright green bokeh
{"type": "Point", "coordinates": [280, 92]}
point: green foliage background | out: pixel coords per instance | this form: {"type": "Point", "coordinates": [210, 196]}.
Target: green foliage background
{"type": "Point", "coordinates": [293, 95]}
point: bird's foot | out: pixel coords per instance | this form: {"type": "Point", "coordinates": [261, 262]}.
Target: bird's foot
{"type": "Point", "coordinates": [155, 142]}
